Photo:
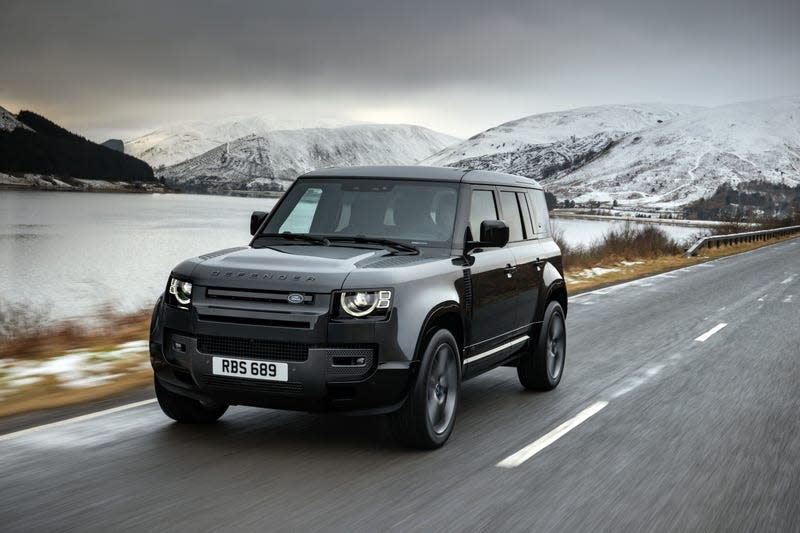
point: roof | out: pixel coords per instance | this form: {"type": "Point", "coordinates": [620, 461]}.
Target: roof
{"type": "Point", "coordinates": [413, 172]}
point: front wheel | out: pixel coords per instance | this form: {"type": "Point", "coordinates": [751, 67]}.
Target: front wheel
{"type": "Point", "coordinates": [427, 417]}
{"type": "Point", "coordinates": [187, 410]}
{"type": "Point", "coordinates": [542, 366]}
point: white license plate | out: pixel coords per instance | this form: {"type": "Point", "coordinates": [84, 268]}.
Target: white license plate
{"type": "Point", "coordinates": [248, 368]}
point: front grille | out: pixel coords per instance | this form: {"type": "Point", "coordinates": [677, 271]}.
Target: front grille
{"type": "Point", "coordinates": [234, 385]}
{"type": "Point", "coordinates": [252, 348]}
{"type": "Point", "coordinates": [279, 297]}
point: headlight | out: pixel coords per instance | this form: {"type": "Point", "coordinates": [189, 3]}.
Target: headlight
{"type": "Point", "coordinates": [181, 291]}
{"type": "Point", "coordinates": [363, 303]}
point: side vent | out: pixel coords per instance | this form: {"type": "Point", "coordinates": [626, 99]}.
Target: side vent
{"type": "Point", "coordinates": [468, 292]}
{"type": "Point", "coordinates": [218, 253]}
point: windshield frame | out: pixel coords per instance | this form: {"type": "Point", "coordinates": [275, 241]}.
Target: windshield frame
{"type": "Point", "coordinates": [308, 182]}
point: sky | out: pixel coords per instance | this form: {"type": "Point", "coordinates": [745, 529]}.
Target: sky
{"type": "Point", "coordinates": [118, 69]}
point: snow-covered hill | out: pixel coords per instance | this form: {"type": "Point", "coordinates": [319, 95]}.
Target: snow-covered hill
{"type": "Point", "coordinates": [8, 122]}
{"type": "Point", "coordinates": [572, 130]}
{"type": "Point", "coordinates": [271, 161]}
{"type": "Point", "coordinates": [688, 158]}
{"type": "Point", "coordinates": [183, 140]}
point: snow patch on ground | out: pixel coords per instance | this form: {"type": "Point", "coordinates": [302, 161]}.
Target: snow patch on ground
{"type": "Point", "coordinates": [74, 369]}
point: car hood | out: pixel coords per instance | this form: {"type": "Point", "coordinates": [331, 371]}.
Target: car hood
{"type": "Point", "coordinates": [302, 268]}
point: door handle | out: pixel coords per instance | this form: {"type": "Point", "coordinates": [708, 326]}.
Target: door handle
{"type": "Point", "coordinates": [509, 270]}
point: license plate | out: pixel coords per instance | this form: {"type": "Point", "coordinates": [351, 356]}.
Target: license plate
{"type": "Point", "coordinates": [250, 369]}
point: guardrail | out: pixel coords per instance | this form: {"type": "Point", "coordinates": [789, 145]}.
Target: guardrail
{"type": "Point", "coordinates": [736, 238]}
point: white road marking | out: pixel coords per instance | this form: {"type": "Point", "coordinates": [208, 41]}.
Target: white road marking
{"type": "Point", "coordinates": [788, 299]}
{"type": "Point", "coordinates": [705, 336]}
{"type": "Point", "coordinates": [540, 444]}
{"type": "Point", "coordinates": [89, 416]}
{"type": "Point", "coordinates": [787, 280]}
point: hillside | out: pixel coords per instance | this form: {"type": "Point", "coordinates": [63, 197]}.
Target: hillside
{"type": "Point", "coordinates": [177, 142]}
{"type": "Point", "coordinates": [545, 136]}
{"type": "Point", "coordinates": [29, 143]}
{"type": "Point", "coordinates": [271, 161]}
{"type": "Point", "coordinates": [692, 156]}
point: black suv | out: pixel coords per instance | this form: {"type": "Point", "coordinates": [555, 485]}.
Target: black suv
{"type": "Point", "coordinates": [373, 290]}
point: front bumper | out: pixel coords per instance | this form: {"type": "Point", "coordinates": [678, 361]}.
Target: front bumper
{"type": "Point", "coordinates": [182, 346]}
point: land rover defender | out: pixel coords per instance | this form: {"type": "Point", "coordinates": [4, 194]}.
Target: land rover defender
{"type": "Point", "coordinates": [368, 290]}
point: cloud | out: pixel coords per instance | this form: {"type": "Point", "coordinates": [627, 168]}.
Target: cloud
{"type": "Point", "coordinates": [129, 64]}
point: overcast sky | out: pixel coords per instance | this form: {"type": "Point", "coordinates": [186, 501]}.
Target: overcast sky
{"type": "Point", "coordinates": [115, 69]}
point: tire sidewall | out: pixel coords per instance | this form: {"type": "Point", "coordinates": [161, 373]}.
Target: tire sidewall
{"type": "Point", "coordinates": [420, 392]}
{"type": "Point", "coordinates": [553, 309]}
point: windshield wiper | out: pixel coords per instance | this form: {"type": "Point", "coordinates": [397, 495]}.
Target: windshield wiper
{"type": "Point", "coordinates": [296, 237]}
{"type": "Point", "coordinates": [389, 243]}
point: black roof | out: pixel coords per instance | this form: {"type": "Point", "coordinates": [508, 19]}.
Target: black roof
{"type": "Point", "coordinates": [413, 172]}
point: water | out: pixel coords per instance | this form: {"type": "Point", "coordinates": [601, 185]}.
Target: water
{"type": "Point", "coordinates": [581, 232]}
{"type": "Point", "coordinates": [73, 254]}
{"type": "Point", "coordinates": [76, 254]}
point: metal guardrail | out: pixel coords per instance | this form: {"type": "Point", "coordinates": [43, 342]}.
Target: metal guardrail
{"type": "Point", "coordinates": [736, 238]}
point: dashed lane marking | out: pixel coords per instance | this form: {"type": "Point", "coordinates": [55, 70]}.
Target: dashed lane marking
{"type": "Point", "coordinates": [516, 459]}
{"type": "Point", "coordinates": [705, 336]}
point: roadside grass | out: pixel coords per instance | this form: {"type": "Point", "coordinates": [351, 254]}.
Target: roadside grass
{"type": "Point", "coordinates": [111, 356]}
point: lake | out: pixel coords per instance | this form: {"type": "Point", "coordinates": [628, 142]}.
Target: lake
{"type": "Point", "coordinates": [75, 254]}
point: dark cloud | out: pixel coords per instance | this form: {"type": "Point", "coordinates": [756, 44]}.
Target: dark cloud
{"type": "Point", "coordinates": [456, 65]}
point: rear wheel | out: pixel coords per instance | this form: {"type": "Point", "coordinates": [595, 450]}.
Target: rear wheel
{"type": "Point", "coordinates": [427, 417]}
{"type": "Point", "coordinates": [187, 410]}
{"type": "Point", "coordinates": [542, 366]}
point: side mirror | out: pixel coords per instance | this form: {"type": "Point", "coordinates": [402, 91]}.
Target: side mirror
{"type": "Point", "coordinates": [256, 219]}
{"type": "Point", "coordinates": [494, 234]}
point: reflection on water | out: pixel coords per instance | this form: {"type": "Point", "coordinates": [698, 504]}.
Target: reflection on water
{"type": "Point", "coordinates": [580, 232]}
{"type": "Point", "coordinates": [74, 253]}
{"type": "Point", "coordinates": [71, 253]}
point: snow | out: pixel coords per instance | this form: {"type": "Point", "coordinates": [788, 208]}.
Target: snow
{"type": "Point", "coordinates": [276, 158]}
{"type": "Point", "coordinates": [74, 369]}
{"type": "Point", "coordinates": [691, 156]}
{"type": "Point", "coordinates": [592, 124]}
{"type": "Point", "coordinates": [180, 141]}
{"type": "Point", "coordinates": [653, 155]}
{"type": "Point", "coordinates": [8, 122]}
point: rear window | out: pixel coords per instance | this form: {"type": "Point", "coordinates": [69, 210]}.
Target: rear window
{"type": "Point", "coordinates": [512, 215]}
{"type": "Point", "coordinates": [541, 219]}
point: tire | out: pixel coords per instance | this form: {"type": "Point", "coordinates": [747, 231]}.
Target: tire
{"type": "Point", "coordinates": [427, 417]}
{"type": "Point", "coordinates": [542, 366]}
{"type": "Point", "coordinates": [187, 410]}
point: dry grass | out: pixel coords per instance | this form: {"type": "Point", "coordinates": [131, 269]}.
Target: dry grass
{"type": "Point", "coordinates": [49, 393]}
{"type": "Point", "coordinates": [28, 337]}
{"type": "Point", "coordinates": [643, 268]}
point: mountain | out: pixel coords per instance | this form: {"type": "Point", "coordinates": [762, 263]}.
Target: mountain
{"type": "Point", "coordinates": [554, 136]}
{"type": "Point", "coordinates": [180, 141]}
{"type": "Point", "coordinates": [8, 122]}
{"type": "Point", "coordinates": [271, 161]}
{"type": "Point", "coordinates": [29, 143]}
{"type": "Point", "coordinates": [692, 156]}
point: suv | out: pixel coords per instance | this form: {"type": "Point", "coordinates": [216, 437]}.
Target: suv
{"type": "Point", "coordinates": [369, 290]}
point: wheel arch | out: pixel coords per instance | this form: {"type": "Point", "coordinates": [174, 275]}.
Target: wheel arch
{"type": "Point", "coordinates": [446, 315]}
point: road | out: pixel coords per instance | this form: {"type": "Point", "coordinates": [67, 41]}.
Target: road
{"type": "Point", "coordinates": [666, 420]}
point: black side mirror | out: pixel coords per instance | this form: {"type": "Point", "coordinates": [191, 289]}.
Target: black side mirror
{"type": "Point", "coordinates": [256, 219]}
{"type": "Point", "coordinates": [494, 234]}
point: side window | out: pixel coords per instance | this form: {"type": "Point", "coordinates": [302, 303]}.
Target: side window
{"type": "Point", "coordinates": [482, 208]}
{"type": "Point", "coordinates": [299, 220]}
{"type": "Point", "coordinates": [526, 216]}
{"type": "Point", "coordinates": [541, 219]}
{"type": "Point", "coordinates": [511, 215]}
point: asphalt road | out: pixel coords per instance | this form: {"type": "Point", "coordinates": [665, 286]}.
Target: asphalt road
{"type": "Point", "coordinates": [676, 434]}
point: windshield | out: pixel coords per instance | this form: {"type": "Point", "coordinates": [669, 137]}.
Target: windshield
{"type": "Point", "coordinates": [419, 213]}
